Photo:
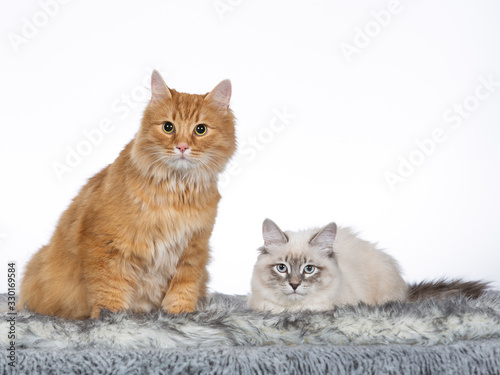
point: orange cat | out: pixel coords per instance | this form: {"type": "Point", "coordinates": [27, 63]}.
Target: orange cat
{"type": "Point", "coordinates": [136, 236]}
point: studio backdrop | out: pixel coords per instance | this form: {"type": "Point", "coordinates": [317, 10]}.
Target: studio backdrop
{"type": "Point", "coordinates": [379, 115]}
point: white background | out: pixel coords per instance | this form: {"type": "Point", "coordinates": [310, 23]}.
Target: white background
{"type": "Point", "coordinates": [354, 118]}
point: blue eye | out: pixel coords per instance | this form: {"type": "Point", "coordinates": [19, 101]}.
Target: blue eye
{"type": "Point", "coordinates": [281, 268]}
{"type": "Point", "coordinates": [309, 269]}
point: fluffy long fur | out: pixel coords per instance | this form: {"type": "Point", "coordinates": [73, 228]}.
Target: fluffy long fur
{"type": "Point", "coordinates": [455, 336]}
{"type": "Point", "coordinates": [224, 320]}
{"type": "Point", "coordinates": [348, 271]}
{"type": "Point", "coordinates": [443, 288]}
{"type": "Point", "coordinates": [136, 236]}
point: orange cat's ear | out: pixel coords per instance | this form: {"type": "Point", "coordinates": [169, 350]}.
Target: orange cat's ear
{"type": "Point", "coordinates": [221, 94]}
{"type": "Point", "coordinates": [159, 89]}
{"type": "Point", "coordinates": [273, 234]}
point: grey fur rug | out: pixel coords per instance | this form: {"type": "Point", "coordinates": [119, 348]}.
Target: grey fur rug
{"type": "Point", "coordinates": [455, 336]}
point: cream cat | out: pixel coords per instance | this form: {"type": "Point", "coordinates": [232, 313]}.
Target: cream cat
{"type": "Point", "coordinates": [322, 268]}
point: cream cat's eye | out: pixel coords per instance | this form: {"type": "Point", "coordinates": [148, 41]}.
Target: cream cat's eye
{"type": "Point", "coordinates": [309, 269]}
{"type": "Point", "coordinates": [168, 127]}
{"type": "Point", "coordinates": [200, 129]}
{"type": "Point", "coordinates": [281, 268]}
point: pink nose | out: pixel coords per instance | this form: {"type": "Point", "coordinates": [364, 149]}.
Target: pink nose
{"type": "Point", "coordinates": [182, 147]}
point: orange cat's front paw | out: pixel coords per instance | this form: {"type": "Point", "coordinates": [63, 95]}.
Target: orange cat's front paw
{"type": "Point", "coordinates": [174, 305]}
{"type": "Point", "coordinates": [96, 311]}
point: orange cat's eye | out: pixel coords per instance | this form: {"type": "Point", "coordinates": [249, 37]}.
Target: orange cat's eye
{"type": "Point", "coordinates": [168, 127]}
{"type": "Point", "coordinates": [200, 129]}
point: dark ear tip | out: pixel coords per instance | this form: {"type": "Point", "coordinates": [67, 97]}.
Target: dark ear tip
{"type": "Point", "coordinates": [262, 250]}
{"type": "Point", "coordinates": [333, 225]}
{"type": "Point", "coordinates": [267, 222]}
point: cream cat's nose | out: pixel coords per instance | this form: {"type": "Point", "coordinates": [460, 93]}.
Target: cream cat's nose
{"type": "Point", "coordinates": [294, 286]}
{"type": "Point", "coordinates": [182, 147]}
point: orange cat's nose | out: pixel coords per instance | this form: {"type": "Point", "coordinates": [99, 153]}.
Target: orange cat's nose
{"type": "Point", "coordinates": [182, 147]}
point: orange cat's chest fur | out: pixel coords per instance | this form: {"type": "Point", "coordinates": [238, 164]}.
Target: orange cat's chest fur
{"type": "Point", "coordinates": [160, 251]}
{"type": "Point", "coordinates": [159, 238]}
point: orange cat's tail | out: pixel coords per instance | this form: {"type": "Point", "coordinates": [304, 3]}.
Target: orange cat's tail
{"type": "Point", "coordinates": [443, 288]}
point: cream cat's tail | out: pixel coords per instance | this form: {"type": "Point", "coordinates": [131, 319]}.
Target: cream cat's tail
{"type": "Point", "coordinates": [443, 288]}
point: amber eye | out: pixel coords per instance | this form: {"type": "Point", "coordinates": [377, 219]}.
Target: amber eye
{"type": "Point", "coordinates": [200, 129]}
{"type": "Point", "coordinates": [168, 127]}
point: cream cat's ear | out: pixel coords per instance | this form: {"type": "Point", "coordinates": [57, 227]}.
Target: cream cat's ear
{"type": "Point", "coordinates": [221, 94]}
{"type": "Point", "coordinates": [272, 233]}
{"type": "Point", "coordinates": [159, 89]}
{"type": "Point", "coordinates": [325, 237]}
